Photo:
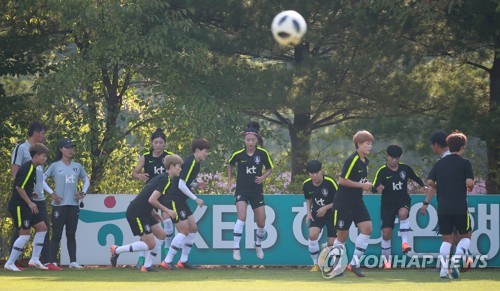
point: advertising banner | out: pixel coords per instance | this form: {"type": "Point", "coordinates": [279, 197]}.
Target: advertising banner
{"type": "Point", "coordinates": [102, 224]}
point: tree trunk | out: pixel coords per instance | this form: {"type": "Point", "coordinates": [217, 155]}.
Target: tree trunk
{"type": "Point", "coordinates": [102, 149]}
{"type": "Point", "coordinates": [493, 134]}
{"type": "Point", "coordinates": [300, 137]}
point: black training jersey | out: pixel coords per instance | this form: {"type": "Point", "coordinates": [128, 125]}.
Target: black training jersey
{"type": "Point", "coordinates": [153, 166]}
{"type": "Point", "coordinates": [320, 195]}
{"type": "Point", "coordinates": [356, 170]}
{"type": "Point", "coordinates": [250, 167]}
{"type": "Point", "coordinates": [159, 183]}
{"type": "Point", "coordinates": [450, 174]}
{"type": "Point", "coordinates": [190, 170]}
{"type": "Point", "coordinates": [395, 182]}
{"type": "Point", "coordinates": [25, 179]}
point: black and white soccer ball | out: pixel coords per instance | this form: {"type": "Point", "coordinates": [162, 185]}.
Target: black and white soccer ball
{"type": "Point", "coordinates": [332, 261]}
{"type": "Point", "coordinates": [288, 28]}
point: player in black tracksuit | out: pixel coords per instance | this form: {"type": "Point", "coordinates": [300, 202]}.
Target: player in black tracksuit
{"type": "Point", "coordinates": [176, 200]}
{"type": "Point", "coordinates": [151, 163]}
{"type": "Point", "coordinates": [24, 210]}
{"type": "Point", "coordinates": [392, 181]}
{"type": "Point", "coordinates": [452, 177]}
{"type": "Point", "coordinates": [250, 162]}
{"type": "Point", "coordinates": [348, 205]}
{"type": "Point", "coordinates": [319, 190]}
{"type": "Point", "coordinates": [143, 219]}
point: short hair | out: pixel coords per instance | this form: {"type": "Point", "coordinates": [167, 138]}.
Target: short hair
{"type": "Point", "coordinates": [158, 134]}
{"type": "Point", "coordinates": [313, 166]}
{"type": "Point", "coordinates": [439, 138]}
{"type": "Point", "coordinates": [38, 149]}
{"type": "Point", "coordinates": [36, 126]}
{"type": "Point", "coordinates": [200, 143]}
{"type": "Point", "coordinates": [456, 141]}
{"type": "Point", "coordinates": [172, 160]}
{"type": "Point", "coordinates": [361, 137]}
{"type": "Point", "coordinates": [394, 151]}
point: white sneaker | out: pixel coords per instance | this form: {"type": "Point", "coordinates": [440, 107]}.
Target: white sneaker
{"type": "Point", "coordinates": [37, 264]}
{"type": "Point", "coordinates": [236, 255]}
{"type": "Point", "coordinates": [11, 267]}
{"type": "Point", "coordinates": [259, 252]}
{"type": "Point", "coordinates": [444, 275]}
{"type": "Point", "coordinates": [75, 265]}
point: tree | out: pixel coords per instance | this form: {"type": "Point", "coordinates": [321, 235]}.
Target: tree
{"type": "Point", "coordinates": [346, 69]}
{"type": "Point", "coordinates": [466, 33]}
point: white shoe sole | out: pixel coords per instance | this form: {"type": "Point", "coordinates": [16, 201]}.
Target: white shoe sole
{"type": "Point", "coordinates": [236, 255]}
{"type": "Point", "coordinates": [37, 265]}
{"type": "Point", "coordinates": [12, 268]}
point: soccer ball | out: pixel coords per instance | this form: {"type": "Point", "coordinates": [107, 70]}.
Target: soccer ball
{"type": "Point", "coordinates": [332, 261]}
{"type": "Point", "coordinates": [288, 28]}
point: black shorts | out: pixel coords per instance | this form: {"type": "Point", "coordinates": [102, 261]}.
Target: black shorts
{"type": "Point", "coordinates": [449, 222]}
{"type": "Point", "coordinates": [181, 209]}
{"type": "Point", "coordinates": [23, 217]}
{"type": "Point", "coordinates": [140, 224]}
{"type": "Point", "coordinates": [326, 220]}
{"type": "Point", "coordinates": [255, 201]}
{"type": "Point", "coordinates": [389, 211]}
{"type": "Point", "coordinates": [343, 217]}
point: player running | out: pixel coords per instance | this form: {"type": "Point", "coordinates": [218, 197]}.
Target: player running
{"type": "Point", "coordinates": [176, 200]}
{"type": "Point", "coordinates": [319, 190]}
{"type": "Point", "coordinates": [24, 211]}
{"type": "Point", "coordinates": [452, 176]}
{"type": "Point", "coordinates": [348, 205]}
{"type": "Point", "coordinates": [152, 163]}
{"type": "Point", "coordinates": [249, 186]}
{"type": "Point", "coordinates": [143, 219]}
{"type": "Point", "coordinates": [392, 181]}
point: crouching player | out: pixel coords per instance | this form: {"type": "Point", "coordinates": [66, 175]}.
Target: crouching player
{"type": "Point", "coordinates": [143, 219]}
{"type": "Point", "coordinates": [319, 191]}
{"type": "Point", "coordinates": [176, 200]}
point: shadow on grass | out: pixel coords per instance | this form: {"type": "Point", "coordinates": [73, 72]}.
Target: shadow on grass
{"type": "Point", "coordinates": [239, 275]}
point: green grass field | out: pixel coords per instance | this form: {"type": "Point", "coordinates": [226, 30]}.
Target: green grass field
{"type": "Point", "coordinates": [242, 279]}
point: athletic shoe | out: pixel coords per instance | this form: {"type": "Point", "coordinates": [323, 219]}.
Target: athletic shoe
{"type": "Point", "coordinates": [114, 255]}
{"type": "Point", "coordinates": [11, 267]}
{"type": "Point", "coordinates": [455, 273]}
{"type": "Point", "coordinates": [356, 270]}
{"type": "Point", "coordinates": [148, 269]}
{"type": "Point", "coordinates": [315, 268]}
{"type": "Point", "coordinates": [54, 267]}
{"type": "Point", "coordinates": [444, 275]}
{"type": "Point", "coordinates": [387, 265]}
{"type": "Point", "coordinates": [37, 264]}
{"type": "Point", "coordinates": [186, 265]}
{"type": "Point", "coordinates": [236, 254]}
{"type": "Point", "coordinates": [168, 266]}
{"type": "Point", "coordinates": [140, 262]}
{"type": "Point", "coordinates": [405, 247]}
{"type": "Point", "coordinates": [22, 269]}
{"type": "Point", "coordinates": [259, 251]}
{"type": "Point", "coordinates": [75, 265]}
